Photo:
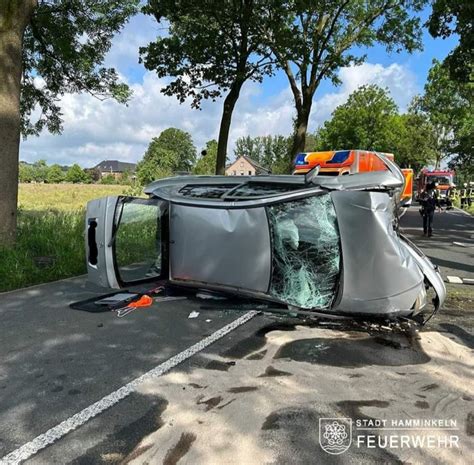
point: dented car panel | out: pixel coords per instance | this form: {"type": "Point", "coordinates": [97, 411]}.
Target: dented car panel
{"type": "Point", "coordinates": [326, 244]}
{"type": "Point", "coordinates": [208, 246]}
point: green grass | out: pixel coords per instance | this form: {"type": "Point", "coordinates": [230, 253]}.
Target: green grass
{"type": "Point", "coordinates": [51, 225]}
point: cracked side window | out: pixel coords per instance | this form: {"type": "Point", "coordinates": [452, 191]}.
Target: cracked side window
{"type": "Point", "coordinates": [306, 252]}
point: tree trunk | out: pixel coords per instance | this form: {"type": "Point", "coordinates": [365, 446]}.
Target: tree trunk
{"type": "Point", "coordinates": [301, 127]}
{"type": "Point", "coordinates": [229, 105]}
{"type": "Point", "coordinates": [14, 17]}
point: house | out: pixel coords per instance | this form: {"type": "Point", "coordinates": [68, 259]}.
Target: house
{"type": "Point", "coordinates": [115, 168]}
{"type": "Point", "coordinates": [245, 166]}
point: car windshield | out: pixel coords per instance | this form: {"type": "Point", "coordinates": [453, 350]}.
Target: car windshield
{"type": "Point", "coordinates": [306, 252]}
{"type": "Point", "coordinates": [443, 180]}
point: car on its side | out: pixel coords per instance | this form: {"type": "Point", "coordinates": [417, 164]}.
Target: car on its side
{"type": "Point", "coordinates": [323, 244]}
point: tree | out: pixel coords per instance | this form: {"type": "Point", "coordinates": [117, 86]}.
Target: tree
{"type": "Point", "coordinates": [76, 175]}
{"type": "Point", "coordinates": [447, 105]}
{"type": "Point", "coordinates": [25, 172]}
{"type": "Point", "coordinates": [157, 163]}
{"type": "Point", "coordinates": [367, 121]}
{"type": "Point", "coordinates": [250, 147]}
{"type": "Point", "coordinates": [311, 40]}
{"type": "Point", "coordinates": [108, 179]}
{"type": "Point", "coordinates": [450, 17]}
{"type": "Point", "coordinates": [181, 144]}
{"type": "Point", "coordinates": [370, 120]}
{"type": "Point", "coordinates": [48, 48]}
{"type": "Point", "coordinates": [93, 173]}
{"type": "Point", "coordinates": [212, 48]}
{"type": "Point", "coordinates": [40, 171]}
{"type": "Point", "coordinates": [415, 141]}
{"type": "Point", "coordinates": [271, 152]}
{"type": "Point", "coordinates": [55, 174]}
{"type": "Point", "coordinates": [172, 151]}
{"type": "Point", "coordinates": [207, 163]}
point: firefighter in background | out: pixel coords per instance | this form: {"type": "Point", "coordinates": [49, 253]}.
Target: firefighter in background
{"type": "Point", "coordinates": [429, 200]}
{"type": "Point", "coordinates": [451, 197]}
{"type": "Point", "coordinates": [464, 194]}
{"type": "Point", "coordinates": [470, 193]}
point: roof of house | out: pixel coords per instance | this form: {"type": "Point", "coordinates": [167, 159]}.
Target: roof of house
{"type": "Point", "coordinates": [115, 166]}
{"type": "Point", "coordinates": [257, 167]}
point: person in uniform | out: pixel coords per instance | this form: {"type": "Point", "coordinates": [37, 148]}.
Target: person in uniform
{"type": "Point", "coordinates": [464, 195]}
{"type": "Point", "coordinates": [429, 201]}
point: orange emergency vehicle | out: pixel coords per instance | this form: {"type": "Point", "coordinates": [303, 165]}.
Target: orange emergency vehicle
{"type": "Point", "coordinates": [444, 180]}
{"type": "Point", "coordinates": [343, 162]}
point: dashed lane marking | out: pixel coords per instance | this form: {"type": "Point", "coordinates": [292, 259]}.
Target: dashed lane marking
{"type": "Point", "coordinates": [57, 432]}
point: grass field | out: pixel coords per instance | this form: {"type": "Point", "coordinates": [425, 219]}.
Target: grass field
{"type": "Point", "coordinates": [64, 197]}
{"type": "Point", "coordinates": [50, 241]}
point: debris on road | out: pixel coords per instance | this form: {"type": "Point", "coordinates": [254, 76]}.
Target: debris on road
{"type": "Point", "coordinates": [193, 314]}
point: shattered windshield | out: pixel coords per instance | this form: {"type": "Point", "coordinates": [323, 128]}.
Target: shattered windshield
{"type": "Point", "coordinates": [306, 252]}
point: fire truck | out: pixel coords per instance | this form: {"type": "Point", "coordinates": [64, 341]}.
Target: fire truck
{"type": "Point", "coordinates": [344, 162]}
{"type": "Point", "coordinates": [443, 178]}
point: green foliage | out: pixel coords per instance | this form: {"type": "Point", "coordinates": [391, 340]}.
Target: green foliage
{"type": "Point", "coordinates": [370, 120]}
{"type": "Point", "coordinates": [447, 105]}
{"type": "Point", "coordinates": [25, 172]}
{"type": "Point", "coordinates": [207, 163]}
{"type": "Point", "coordinates": [156, 164]}
{"type": "Point", "coordinates": [212, 48]}
{"type": "Point", "coordinates": [108, 179]}
{"type": "Point", "coordinates": [455, 17]}
{"type": "Point", "coordinates": [93, 174]}
{"type": "Point", "coordinates": [40, 171]}
{"type": "Point", "coordinates": [181, 144]}
{"type": "Point", "coordinates": [46, 233]}
{"type": "Point", "coordinates": [271, 152]}
{"type": "Point", "coordinates": [172, 151]}
{"type": "Point", "coordinates": [63, 47]}
{"type": "Point", "coordinates": [55, 174]}
{"type": "Point", "coordinates": [210, 44]}
{"type": "Point", "coordinates": [414, 141]}
{"type": "Point", "coordinates": [312, 40]}
{"type": "Point", "coordinates": [367, 121]}
{"type": "Point", "coordinates": [75, 174]}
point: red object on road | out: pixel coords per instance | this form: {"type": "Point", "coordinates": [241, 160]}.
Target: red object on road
{"type": "Point", "coordinates": [143, 301]}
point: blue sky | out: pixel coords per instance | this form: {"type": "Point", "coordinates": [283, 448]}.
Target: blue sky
{"type": "Point", "coordinates": [95, 130]}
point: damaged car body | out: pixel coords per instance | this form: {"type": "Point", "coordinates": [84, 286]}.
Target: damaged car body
{"type": "Point", "coordinates": [327, 245]}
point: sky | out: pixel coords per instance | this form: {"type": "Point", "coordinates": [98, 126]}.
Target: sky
{"type": "Point", "coordinates": [98, 130]}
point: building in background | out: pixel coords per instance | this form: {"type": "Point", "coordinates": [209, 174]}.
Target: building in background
{"type": "Point", "coordinates": [245, 166]}
{"type": "Point", "coordinates": [115, 168]}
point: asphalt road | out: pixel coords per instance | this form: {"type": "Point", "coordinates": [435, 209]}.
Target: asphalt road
{"type": "Point", "coordinates": [452, 226]}
{"type": "Point", "coordinates": [254, 396]}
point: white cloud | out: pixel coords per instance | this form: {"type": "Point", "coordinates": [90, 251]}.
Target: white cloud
{"type": "Point", "coordinates": [96, 130]}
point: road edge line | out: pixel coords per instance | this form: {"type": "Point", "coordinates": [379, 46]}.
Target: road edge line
{"type": "Point", "coordinates": [79, 419]}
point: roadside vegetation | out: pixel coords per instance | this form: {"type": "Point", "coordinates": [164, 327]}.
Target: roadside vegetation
{"type": "Point", "coordinates": [50, 241]}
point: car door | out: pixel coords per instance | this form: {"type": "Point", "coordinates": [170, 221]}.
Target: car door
{"type": "Point", "coordinates": [126, 240]}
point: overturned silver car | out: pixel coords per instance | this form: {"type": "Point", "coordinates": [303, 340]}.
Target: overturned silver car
{"type": "Point", "coordinates": [329, 245]}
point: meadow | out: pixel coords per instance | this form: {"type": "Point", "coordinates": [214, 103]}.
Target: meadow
{"type": "Point", "coordinates": [50, 240]}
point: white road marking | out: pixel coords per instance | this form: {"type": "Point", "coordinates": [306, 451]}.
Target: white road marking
{"type": "Point", "coordinates": [463, 244]}
{"type": "Point", "coordinates": [454, 279]}
{"type": "Point", "coordinates": [461, 211]}
{"type": "Point", "coordinates": [57, 432]}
